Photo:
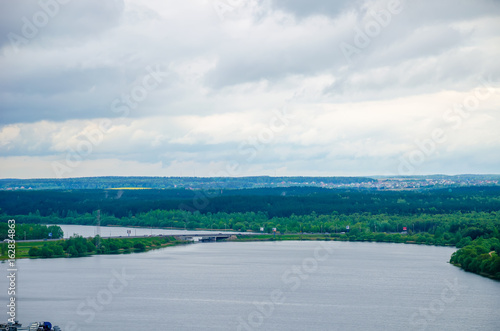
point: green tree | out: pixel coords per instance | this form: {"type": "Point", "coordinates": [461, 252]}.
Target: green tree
{"type": "Point", "coordinates": [73, 252]}
{"type": "Point", "coordinates": [34, 252]}
{"type": "Point", "coordinates": [140, 246]}
{"type": "Point", "coordinates": [46, 252]}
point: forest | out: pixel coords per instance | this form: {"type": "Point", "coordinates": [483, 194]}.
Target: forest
{"type": "Point", "coordinates": [274, 202]}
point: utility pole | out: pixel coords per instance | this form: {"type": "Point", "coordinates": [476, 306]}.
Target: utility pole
{"type": "Point", "coordinates": [98, 243]}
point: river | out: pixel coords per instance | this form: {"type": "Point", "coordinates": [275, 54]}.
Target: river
{"type": "Point", "coordinates": [289, 285]}
{"type": "Point", "coordinates": [117, 231]}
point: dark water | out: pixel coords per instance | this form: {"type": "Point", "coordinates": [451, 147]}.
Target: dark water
{"type": "Point", "coordinates": [259, 286]}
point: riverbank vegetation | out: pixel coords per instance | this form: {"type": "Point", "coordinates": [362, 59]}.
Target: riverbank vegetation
{"type": "Point", "coordinates": [481, 256]}
{"type": "Point", "coordinates": [434, 229]}
{"type": "Point", "coordinates": [31, 231]}
{"type": "Point", "coordinates": [78, 246]}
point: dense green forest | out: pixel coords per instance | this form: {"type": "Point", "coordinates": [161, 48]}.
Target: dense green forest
{"type": "Point", "coordinates": [274, 202]}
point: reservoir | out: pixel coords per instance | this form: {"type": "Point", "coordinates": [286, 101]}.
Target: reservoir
{"type": "Point", "coordinates": [282, 285]}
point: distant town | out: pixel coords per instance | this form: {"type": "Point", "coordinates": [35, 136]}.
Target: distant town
{"type": "Point", "coordinates": [211, 183]}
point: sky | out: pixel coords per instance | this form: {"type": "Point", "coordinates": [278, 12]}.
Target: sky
{"type": "Point", "coordinates": [249, 88]}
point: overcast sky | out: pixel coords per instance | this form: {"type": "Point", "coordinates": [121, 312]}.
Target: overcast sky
{"type": "Point", "coordinates": [247, 87]}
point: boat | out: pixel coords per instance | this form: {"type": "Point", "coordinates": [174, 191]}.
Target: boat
{"type": "Point", "coordinates": [10, 326]}
{"type": "Point", "coordinates": [35, 326]}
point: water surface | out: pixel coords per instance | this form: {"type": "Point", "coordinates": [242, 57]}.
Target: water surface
{"type": "Point", "coordinates": [259, 286]}
{"type": "Point", "coordinates": [117, 231]}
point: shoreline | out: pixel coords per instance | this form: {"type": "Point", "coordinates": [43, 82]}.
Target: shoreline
{"type": "Point", "coordinates": [24, 247]}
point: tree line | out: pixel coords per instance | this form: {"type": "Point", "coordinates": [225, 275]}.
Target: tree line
{"type": "Point", "coordinates": [31, 231]}
{"type": "Point", "coordinates": [78, 246]}
{"type": "Point", "coordinates": [481, 256]}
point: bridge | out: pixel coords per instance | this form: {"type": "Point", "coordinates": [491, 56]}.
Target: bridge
{"type": "Point", "coordinates": [205, 237]}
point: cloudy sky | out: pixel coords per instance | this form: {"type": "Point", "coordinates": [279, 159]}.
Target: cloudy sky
{"type": "Point", "coordinates": [249, 87]}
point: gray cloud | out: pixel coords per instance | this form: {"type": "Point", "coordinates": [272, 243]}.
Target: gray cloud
{"type": "Point", "coordinates": [314, 7]}
{"type": "Point", "coordinates": [221, 81]}
{"type": "Point", "coordinates": [57, 22]}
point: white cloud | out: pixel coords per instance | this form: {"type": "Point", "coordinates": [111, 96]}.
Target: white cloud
{"type": "Point", "coordinates": [8, 134]}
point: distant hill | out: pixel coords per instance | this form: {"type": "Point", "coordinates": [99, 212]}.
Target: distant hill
{"type": "Point", "coordinates": [218, 183]}
{"type": "Point", "coordinates": [177, 182]}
